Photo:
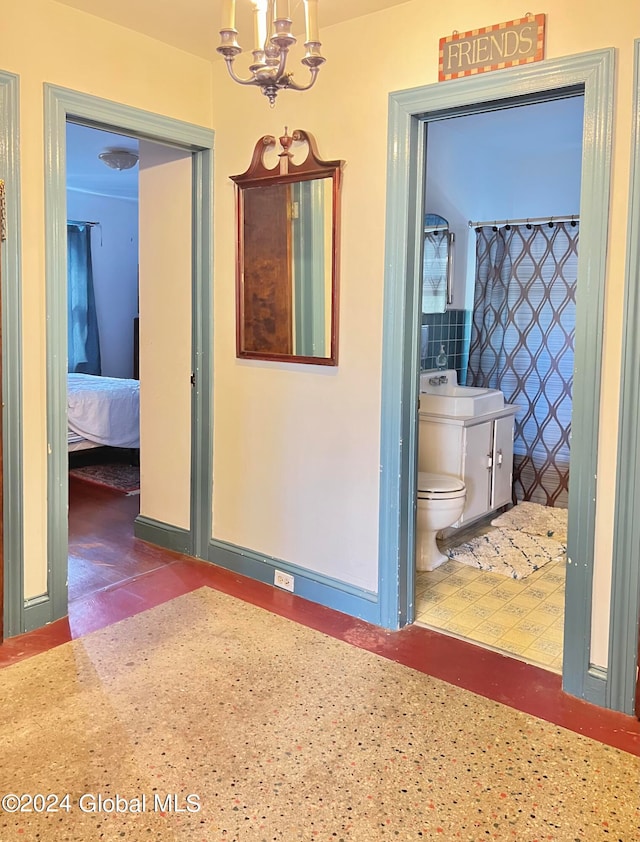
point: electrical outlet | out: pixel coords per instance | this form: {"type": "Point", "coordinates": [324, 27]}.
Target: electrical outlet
{"type": "Point", "coordinates": [283, 580]}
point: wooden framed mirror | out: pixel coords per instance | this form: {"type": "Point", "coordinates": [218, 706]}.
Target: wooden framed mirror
{"type": "Point", "coordinates": [288, 223]}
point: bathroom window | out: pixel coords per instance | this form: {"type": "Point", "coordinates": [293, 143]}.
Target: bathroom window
{"type": "Point", "coordinates": [435, 264]}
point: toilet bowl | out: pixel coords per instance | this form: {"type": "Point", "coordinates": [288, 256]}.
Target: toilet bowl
{"type": "Point", "coordinates": [440, 502]}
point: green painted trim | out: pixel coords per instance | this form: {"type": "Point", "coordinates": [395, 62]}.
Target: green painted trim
{"type": "Point", "coordinates": [56, 314]}
{"type": "Point", "coordinates": [62, 104]}
{"type": "Point", "coordinates": [37, 612]}
{"type": "Point", "coordinates": [400, 365]}
{"type": "Point", "coordinates": [593, 74]}
{"type": "Point", "coordinates": [315, 587]}
{"type": "Point", "coordinates": [105, 114]}
{"type": "Point", "coordinates": [595, 687]}
{"type": "Point", "coordinates": [625, 585]}
{"type": "Point", "coordinates": [594, 229]}
{"type": "Point", "coordinates": [163, 534]}
{"type": "Point", "coordinates": [13, 525]}
{"type": "Point", "coordinates": [202, 354]}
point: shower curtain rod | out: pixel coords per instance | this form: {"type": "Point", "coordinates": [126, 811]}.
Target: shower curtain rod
{"type": "Point", "coordinates": [81, 222]}
{"type": "Point", "coordinates": [534, 220]}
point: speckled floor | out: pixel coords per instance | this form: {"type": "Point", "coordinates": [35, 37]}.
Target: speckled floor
{"type": "Point", "coordinates": [282, 733]}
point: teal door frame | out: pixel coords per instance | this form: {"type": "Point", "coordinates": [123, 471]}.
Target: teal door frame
{"type": "Point", "coordinates": [12, 357]}
{"type": "Point", "coordinates": [625, 590]}
{"type": "Point", "coordinates": [62, 105]}
{"type": "Point", "coordinates": [590, 74]}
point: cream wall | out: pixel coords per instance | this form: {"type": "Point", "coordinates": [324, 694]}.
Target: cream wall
{"type": "Point", "coordinates": [297, 448]}
{"type": "Point", "coordinates": [48, 42]}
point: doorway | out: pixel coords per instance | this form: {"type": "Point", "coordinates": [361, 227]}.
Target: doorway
{"type": "Point", "coordinates": [196, 144]}
{"type": "Point", "coordinates": [499, 179]}
{"type": "Point", "coordinates": [103, 388]}
{"type": "Point", "coordinates": [592, 75]}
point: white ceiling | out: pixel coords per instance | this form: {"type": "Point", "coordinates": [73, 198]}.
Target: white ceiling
{"type": "Point", "coordinates": [193, 25]}
{"type": "Point", "coordinates": [87, 173]}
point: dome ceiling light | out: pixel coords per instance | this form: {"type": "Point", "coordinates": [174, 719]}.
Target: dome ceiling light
{"type": "Point", "coordinates": [119, 159]}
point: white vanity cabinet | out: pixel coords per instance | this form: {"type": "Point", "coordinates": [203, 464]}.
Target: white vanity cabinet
{"type": "Point", "coordinates": [477, 449]}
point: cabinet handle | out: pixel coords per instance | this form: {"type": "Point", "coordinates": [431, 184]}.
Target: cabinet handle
{"type": "Point", "coordinates": [489, 461]}
{"type": "Point", "coordinates": [499, 458]}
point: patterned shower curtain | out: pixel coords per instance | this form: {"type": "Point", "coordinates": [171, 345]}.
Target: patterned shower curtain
{"type": "Point", "coordinates": [522, 342]}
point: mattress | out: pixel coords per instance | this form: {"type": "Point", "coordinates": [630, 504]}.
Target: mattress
{"type": "Point", "coordinates": [103, 411]}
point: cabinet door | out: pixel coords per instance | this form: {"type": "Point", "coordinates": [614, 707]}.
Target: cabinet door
{"type": "Point", "coordinates": [477, 470]}
{"type": "Point", "coordinates": [502, 462]}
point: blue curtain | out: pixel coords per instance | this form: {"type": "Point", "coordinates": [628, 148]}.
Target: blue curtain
{"type": "Point", "coordinates": [82, 320]}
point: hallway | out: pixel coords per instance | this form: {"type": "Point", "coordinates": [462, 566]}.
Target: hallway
{"type": "Point", "coordinates": [261, 681]}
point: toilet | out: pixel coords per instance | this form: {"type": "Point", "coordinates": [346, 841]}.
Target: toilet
{"type": "Point", "coordinates": [440, 501]}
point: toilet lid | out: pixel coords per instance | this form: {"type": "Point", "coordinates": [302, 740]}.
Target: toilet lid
{"type": "Point", "coordinates": [439, 483]}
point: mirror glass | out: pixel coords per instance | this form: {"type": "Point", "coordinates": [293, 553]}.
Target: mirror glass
{"type": "Point", "coordinates": [287, 259]}
{"type": "Point", "coordinates": [437, 264]}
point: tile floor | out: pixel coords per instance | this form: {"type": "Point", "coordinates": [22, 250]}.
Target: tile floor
{"type": "Point", "coordinates": [522, 617]}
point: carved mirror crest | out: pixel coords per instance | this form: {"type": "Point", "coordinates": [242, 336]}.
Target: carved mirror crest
{"type": "Point", "coordinates": [287, 255]}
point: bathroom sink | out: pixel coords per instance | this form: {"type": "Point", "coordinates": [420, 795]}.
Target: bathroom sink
{"type": "Point", "coordinates": [446, 397]}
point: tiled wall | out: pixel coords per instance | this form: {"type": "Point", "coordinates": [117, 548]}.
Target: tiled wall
{"type": "Point", "coordinates": [451, 329]}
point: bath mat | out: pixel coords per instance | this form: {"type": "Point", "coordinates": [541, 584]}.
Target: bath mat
{"type": "Point", "coordinates": [535, 519]}
{"type": "Point", "coordinates": [117, 477]}
{"type": "Point", "coordinates": [512, 552]}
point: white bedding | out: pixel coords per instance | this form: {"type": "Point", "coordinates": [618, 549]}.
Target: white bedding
{"type": "Point", "coordinates": [104, 410]}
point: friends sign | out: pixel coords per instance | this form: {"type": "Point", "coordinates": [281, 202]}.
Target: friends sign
{"type": "Point", "coordinates": [492, 47]}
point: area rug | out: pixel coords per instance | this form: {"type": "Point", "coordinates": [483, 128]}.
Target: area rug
{"type": "Point", "coordinates": [536, 520]}
{"type": "Point", "coordinates": [510, 552]}
{"type": "Point", "coordinates": [116, 476]}
{"type": "Point", "coordinates": [211, 719]}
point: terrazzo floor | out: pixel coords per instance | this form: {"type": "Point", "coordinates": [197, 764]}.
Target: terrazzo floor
{"type": "Point", "coordinates": [257, 728]}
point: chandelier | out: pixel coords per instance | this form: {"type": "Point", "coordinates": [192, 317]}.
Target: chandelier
{"type": "Point", "coordinates": [272, 40]}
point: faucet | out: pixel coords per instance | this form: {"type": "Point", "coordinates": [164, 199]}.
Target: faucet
{"type": "Point", "coordinates": [439, 380]}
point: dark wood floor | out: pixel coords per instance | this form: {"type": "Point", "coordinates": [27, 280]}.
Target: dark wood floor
{"type": "Point", "coordinates": [113, 575]}
{"type": "Point", "coordinates": [102, 549]}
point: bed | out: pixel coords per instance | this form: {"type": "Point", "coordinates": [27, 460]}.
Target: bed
{"type": "Point", "coordinates": [102, 411]}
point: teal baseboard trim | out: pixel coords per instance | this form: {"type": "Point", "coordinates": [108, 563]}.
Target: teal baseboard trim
{"type": "Point", "coordinates": [595, 686]}
{"type": "Point", "coordinates": [315, 587]}
{"type": "Point", "coordinates": [37, 612]}
{"type": "Point", "coordinates": [163, 534]}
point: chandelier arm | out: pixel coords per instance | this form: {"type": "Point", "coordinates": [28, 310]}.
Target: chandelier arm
{"type": "Point", "coordinates": [250, 81]}
{"type": "Point", "coordinates": [294, 86]}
